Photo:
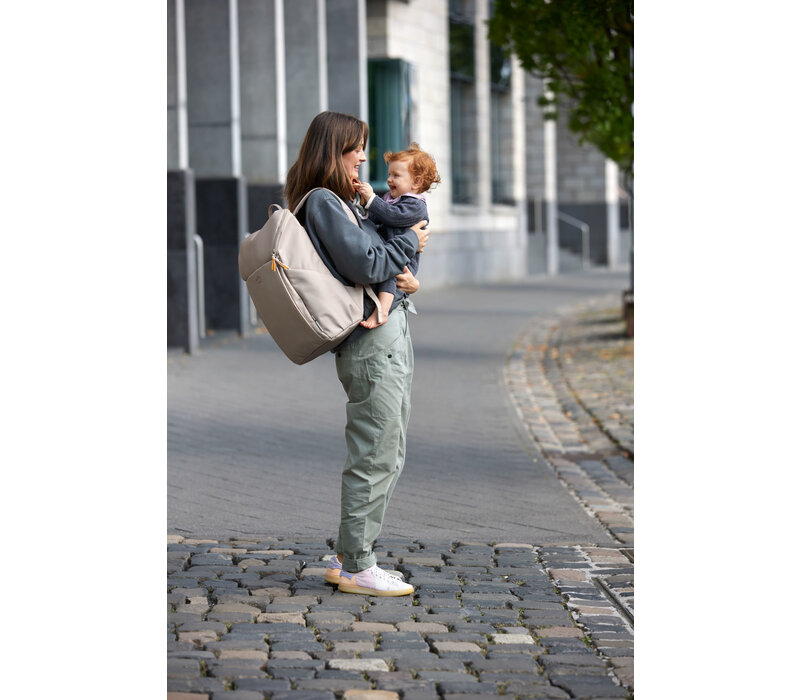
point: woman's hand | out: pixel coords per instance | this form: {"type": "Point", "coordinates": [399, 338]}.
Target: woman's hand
{"type": "Point", "coordinates": [420, 228]}
{"type": "Point", "coordinates": [406, 282]}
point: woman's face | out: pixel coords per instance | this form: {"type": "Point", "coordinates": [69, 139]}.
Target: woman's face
{"type": "Point", "coordinates": [352, 161]}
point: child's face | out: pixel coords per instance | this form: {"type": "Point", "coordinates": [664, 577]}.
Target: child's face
{"type": "Point", "coordinates": [400, 181]}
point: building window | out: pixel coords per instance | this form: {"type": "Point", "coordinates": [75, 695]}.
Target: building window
{"type": "Point", "coordinates": [463, 116]}
{"type": "Point", "coordinates": [389, 99]}
{"type": "Point", "coordinates": [501, 126]}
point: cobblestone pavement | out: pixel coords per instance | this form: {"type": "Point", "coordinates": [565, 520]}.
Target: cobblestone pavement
{"type": "Point", "coordinates": [249, 619]}
{"type": "Point", "coordinates": [250, 616]}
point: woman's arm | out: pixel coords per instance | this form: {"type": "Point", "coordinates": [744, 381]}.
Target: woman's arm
{"type": "Point", "coordinates": [357, 255]}
{"type": "Point", "coordinates": [413, 265]}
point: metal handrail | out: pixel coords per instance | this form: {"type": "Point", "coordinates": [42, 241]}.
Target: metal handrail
{"type": "Point", "coordinates": [584, 228]}
{"type": "Point", "coordinates": [201, 286]}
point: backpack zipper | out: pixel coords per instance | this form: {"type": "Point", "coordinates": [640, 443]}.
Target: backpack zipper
{"type": "Point", "coordinates": [276, 260]}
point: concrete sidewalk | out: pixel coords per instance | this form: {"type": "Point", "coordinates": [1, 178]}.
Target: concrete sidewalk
{"type": "Point", "coordinates": [513, 517]}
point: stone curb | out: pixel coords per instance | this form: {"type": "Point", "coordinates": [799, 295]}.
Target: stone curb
{"type": "Point", "coordinates": [568, 421]}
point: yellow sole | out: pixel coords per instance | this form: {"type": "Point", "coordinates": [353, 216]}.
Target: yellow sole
{"type": "Point", "coordinates": [344, 588]}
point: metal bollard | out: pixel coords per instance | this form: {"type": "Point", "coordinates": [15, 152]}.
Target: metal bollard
{"type": "Point", "coordinates": [585, 246]}
{"type": "Point", "coordinates": [201, 286]}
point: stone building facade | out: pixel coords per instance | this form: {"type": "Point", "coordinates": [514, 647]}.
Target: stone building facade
{"type": "Point", "coordinates": [246, 77]}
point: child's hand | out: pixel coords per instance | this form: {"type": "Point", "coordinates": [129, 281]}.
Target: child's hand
{"type": "Point", "coordinates": [365, 191]}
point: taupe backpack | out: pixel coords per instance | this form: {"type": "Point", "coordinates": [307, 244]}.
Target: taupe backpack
{"type": "Point", "coordinates": [306, 310]}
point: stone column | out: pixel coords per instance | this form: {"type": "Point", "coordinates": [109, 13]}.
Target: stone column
{"type": "Point", "coordinates": [280, 92]}
{"type": "Point", "coordinates": [263, 105]}
{"type": "Point", "coordinates": [551, 195]}
{"type": "Point", "coordinates": [182, 301]}
{"type": "Point", "coordinates": [612, 209]}
{"type": "Point", "coordinates": [346, 58]}
{"type": "Point", "coordinates": [306, 72]}
{"type": "Point", "coordinates": [483, 108]}
{"type": "Point", "coordinates": [535, 177]}
{"type": "Point", "coordinates": [177, 127]}
{"type": "Point", "coordinates": [212, 58]}
{"type": "Point", "coordinates": [182, 321]}
{"type": "Point", "coordinates": [213, 87]}
{"type": "Point", "coordinates": [346, 26]}
{"type": "Point", "coordinates": [518, 160]}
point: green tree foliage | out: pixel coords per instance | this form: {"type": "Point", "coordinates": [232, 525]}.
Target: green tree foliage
{"type": "Point", "coordinates": [583, 49]}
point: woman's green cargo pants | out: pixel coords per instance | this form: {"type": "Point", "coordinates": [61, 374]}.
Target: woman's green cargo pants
{"type": "Point", "coordinates": [375, 370]}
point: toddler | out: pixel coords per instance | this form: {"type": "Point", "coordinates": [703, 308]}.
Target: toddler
{"type": "Point", "coordinates": [411, 174]}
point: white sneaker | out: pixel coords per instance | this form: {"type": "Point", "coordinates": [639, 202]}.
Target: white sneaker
{"type": "Point", "coordinates": [373, 581]}
{"type": "Point", "coordinates": [334, 569]}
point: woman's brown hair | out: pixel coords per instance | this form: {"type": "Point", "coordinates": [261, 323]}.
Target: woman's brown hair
{"type": "Point", "coordinates": [319, 162]}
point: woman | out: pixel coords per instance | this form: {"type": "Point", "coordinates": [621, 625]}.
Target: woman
{"type": "Point", "coordinates": [375, 366]}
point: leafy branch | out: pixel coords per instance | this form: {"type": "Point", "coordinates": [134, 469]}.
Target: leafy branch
{"type": "Point", "coordinates": [583, 51]}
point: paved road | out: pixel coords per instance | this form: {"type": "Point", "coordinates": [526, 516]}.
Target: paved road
{"type": "Point", "coordinates": [255, 443]}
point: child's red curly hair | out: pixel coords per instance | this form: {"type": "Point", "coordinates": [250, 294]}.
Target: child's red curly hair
{"type": "Point", "coordinates": [420, 164]}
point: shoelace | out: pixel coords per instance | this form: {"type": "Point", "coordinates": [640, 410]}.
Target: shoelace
{"type": "Point", "coordinates": [378, 573]}
{"type": "Point", "coordinates": [384, 576]}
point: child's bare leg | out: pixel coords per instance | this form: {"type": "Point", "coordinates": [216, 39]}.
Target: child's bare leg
{"type": "Point", "coordinates": [385, 299]}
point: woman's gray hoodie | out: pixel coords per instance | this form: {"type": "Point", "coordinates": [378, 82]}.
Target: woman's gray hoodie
{"type": "Point", "coordinates": [354, 255]}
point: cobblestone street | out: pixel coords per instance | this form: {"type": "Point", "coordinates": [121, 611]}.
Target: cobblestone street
{"type": "Point", "coordinates": [547, 613]}
{"type": "Point", "coordinates": [254, 617]}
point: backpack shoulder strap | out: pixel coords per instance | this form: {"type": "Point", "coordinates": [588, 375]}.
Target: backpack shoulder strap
{"type": "Point", "coordinates": [367, 288]}
{"type": "Point", "coordinates": [347, 209]}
